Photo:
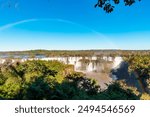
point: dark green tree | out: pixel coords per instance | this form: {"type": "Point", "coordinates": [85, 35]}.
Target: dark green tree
{"type": "Point", "coordinates": [106, 5]}
{"type": "Point", "coordinates": [109, 5]}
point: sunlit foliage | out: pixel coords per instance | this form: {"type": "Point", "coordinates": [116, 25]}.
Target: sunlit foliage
{"type": "Point", "coordinates": [41, 80]}
{"type": "Point", "coordinates": [140, 65]}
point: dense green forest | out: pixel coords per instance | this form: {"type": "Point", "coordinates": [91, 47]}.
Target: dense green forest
{"type": "Point", "coordinates": [53, 80]}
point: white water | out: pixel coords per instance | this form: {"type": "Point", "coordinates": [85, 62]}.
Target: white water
{"type": "Point", "coordinates": [78, 65]}
{"type": "Point", "coordinates": [92, 69]}
{"type": "Point", "coordinates": [117, 62]}
{"type": "Point", "coordinates": [89, 67]}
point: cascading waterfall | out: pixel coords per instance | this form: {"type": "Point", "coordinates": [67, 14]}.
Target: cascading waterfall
{"type": "Point", "coordinates": [89, 67]}
{"type": "Point", "coordinates": [78, 65]}
{"type": "Point", "coordinates": [96, 67]}
{"type": "Point", "coordinates": [117, 62]}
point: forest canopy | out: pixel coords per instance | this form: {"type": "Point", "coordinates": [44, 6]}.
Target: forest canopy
{"type": "Point", "coordinates": [53, 80]}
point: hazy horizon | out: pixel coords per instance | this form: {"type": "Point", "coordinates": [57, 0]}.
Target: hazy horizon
{"type": "Point", "coordinates": [74, 50]}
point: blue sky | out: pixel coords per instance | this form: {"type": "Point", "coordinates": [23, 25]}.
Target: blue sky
{"type": "Point", "coordinates": [72, 24]}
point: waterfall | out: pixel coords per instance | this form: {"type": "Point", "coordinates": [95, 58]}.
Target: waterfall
{"type": "Point", "coordinates": [89, 67]}
{"type": "Point", "coordinates": [117, 62]}
{"type": "Point", "coordinates": [2, 61]}
{"type": "Point", "coordinates": [77, 66]}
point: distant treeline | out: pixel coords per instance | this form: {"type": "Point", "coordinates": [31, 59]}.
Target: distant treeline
{"type": "Point", "coordinates": [50, 53]}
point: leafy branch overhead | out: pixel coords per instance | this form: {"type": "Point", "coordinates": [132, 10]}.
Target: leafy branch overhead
{"type": "Point", "coordinates": [109, 5]}
{"type": "Point", "coordinates": [106, 5]}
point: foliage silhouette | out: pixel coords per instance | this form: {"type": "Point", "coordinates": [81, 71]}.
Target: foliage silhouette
{"type": "Point", "coordinates": [116, 92]}
{"type": "Point", "coordinates": [37, 90]}
{"type": "Point", "coordinates": [108, 5]}
{"type": "Point", "coordinates": [74, 87]}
